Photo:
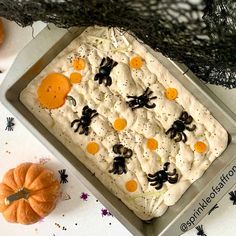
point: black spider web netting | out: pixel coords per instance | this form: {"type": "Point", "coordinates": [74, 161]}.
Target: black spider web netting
{"type": "Point", "coordinates": [199, 33]}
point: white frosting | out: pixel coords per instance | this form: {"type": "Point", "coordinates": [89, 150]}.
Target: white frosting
{"type": "Point", "coordinates": [110, 102]}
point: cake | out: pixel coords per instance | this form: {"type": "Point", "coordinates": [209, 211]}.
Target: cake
{"type": "Point", "coordinates": [126, 118]}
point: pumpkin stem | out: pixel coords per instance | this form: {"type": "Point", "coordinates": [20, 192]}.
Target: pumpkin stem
{"type": "Point", "coordinates": [21, 193]}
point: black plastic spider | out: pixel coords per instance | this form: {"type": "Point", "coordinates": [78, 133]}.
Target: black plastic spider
{"type": "Point", "coordinates": [87, 115]}
{"type": "Point", "coordinates": [10, 124]}
{"type": "Point", "coordinates": [142, 100]}
{"type": "Point", "coordinates": [179, 126]}
{"type": "Point", "coordinates": [200, 230]}
{"type": "Point", "coordinates": [63, 176]}
{"type": "Point", "coordinates": [233, 197]}
{"type": "Point", "coordinates": [162, 176]}
{"type": "Point", "coordinates": [119, 161]}
{"type": "Point", "coordinates": [107, 64]}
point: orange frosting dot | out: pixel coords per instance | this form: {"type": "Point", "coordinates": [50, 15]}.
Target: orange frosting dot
{"type": "Point", "coordinates": [131, 186]}
{"type": "Point", "coordinates": [120, 124]}
{"type": "Point", "coordinates": [152, 144]}
{"type": "Point", "coordinates": [92, 148]}
{"type": "Point", "coordinates": [200, 147]}
{"type": "Point", "coordinates": [171, 93]}
{"type": "Point", "coordinates": [75, 78]}
{"type": "Point", "coordinates": [136, 62]}
{"type": "Point", "coordinates": [53, 90]}
{"type": "Point", "coordinates": [79, 63]}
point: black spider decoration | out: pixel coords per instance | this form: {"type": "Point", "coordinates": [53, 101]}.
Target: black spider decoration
{"type": "Point", "coordinates": [213, 208]}
{"type": "Point", "coordinates": [162, 176]}
{"type": "Point", "coordinates": [233, 197]}
{"type": "Point", "coordinates": [84, 122]}
{"type": "Point", "coordinates": [200, 230]}
{"type": "Point", "coordinates": [142, 100]}
{"type": "Point", "coordinates": [107, 64]}
{"type": "Point", "coordinates": [10, 124]}
{"type": "Point", "coordinates": [119, 161]}
{"type": "Point", "coordinates": [179, 126]}
{"type": "Point", "coordinates": [63, 176]}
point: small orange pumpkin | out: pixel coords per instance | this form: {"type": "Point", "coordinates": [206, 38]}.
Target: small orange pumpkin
{"type": "Point", "coordinates": [28, 193]}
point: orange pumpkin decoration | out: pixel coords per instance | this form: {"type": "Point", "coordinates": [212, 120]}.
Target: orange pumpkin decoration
{"type": "Point", "coordinates": [2, 35]}
{"type": "Point", "coordinates": [28, 193]}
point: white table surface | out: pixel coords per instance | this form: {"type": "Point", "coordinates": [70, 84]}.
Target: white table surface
{"type": "Point", "coordinates": [79, 217]}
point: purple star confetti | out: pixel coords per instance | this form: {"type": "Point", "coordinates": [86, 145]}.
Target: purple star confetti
{"type": "Point", "coordinates": [105, 212]}
{"type": "Point", "coordinates": [84, 196]}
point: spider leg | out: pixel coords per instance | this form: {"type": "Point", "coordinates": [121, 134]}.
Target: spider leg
{"type": "Point", "coordinates": [100, 80]}
{"type": "Point", "coordinates": [116, 148]}
{"type": "Point", "coordinates": [189, 120]}
{"type": "Point", "coordinates": [86, 130]}
{"type": "Point", "coordinates": [191, 128]}
{"type": "Point", "coordinates": [153, 98]}
{"type": "Point", "coordinates": [108, 81]}
{"type": "Point", "coordinates": [139, 106]}
{"type": "Point", "coordinates": [152, 176]}
{"type": "Point", "coordinates": [73, 122]}
{"type": "Point", "coordinates": [76, 130]}
{"type": "Point", "coordinates": [86, 108]}
{"type": "Point", "coordinates": [183, 116]}
{"type": "Point", "coordinates": [113, 168]}
{"type": "Point", "coordinates": [169, 130]}
{"type": "Point", "coordinates": [185, 137]}
{"type": "Point", "coordinates": [172, 173]}
{"type": "Point", "coordinates": [155, 183]}
{"type": "Point", "coordinates": [159, 186]}
{"type": "Point", "coordinates": [95, 114]}
{"type": "Point", "coordinates": [130, 103]}
{"type": "Point", "coordinates": [109, 62]}
{"type": "Point", "coordinates": [173, 180]}
{"type": "Point", "coordinates": [129, 153]}
{"type": "Point", "coordinates": [97, 76]}
{"type": "Point", "coordinates": [166, 165]}
{"type": "Point", "coordinates": [179, 137]}
{"type": "Point", "coordinates": [114, 64]}
{"type": "Point", "coordinates": [150, 105]}
{"type": "Point", "coordinates": [149, 93]}
{"type": "Point", "coordinates": [131, 96]}
{"type": "Point", "coordinates": [145, 92]}
{"type": "Point", "coordinates": [102, 62]}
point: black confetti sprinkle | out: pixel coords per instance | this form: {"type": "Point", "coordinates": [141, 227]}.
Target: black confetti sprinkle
{"type": "Point", "coordinates": [71, 100]}
{"type": "Point", "coordinates": [213, 208]}
{"type": "Point", "coordinates": [200, 230]}
{"type": "Point", "coordinates": [233, 197]}
{"type": "Point", "coordinates": [63, 176]}
{"type": "Point", "coordinates": [10, 124]}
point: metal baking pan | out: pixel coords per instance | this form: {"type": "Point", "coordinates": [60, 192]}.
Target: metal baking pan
{"type": "Point", "coordinates": [196, 201]}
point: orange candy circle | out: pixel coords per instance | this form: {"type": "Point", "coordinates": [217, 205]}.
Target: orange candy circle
{"type": "Point", "coordinates": [53, 90]}
{"type": "Point", "coordinates": [120, 124]}
{"type": "Point", "coordinates": [79, 63]}
{"type": "Point", "coordinates": [152, 144]}
{"type": "Point", "coordinates": [136, 62]}
{"type": "Point", "coordinates": [131, 186]}
{"type": "Point", "coordinates": [200, 147]}
{"type": "Point", "coordinates": [92, 148]}
{"type": "Point", "coordinates": [75, 78]}
{"type": "Point", "coordinates": [171, 93]}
